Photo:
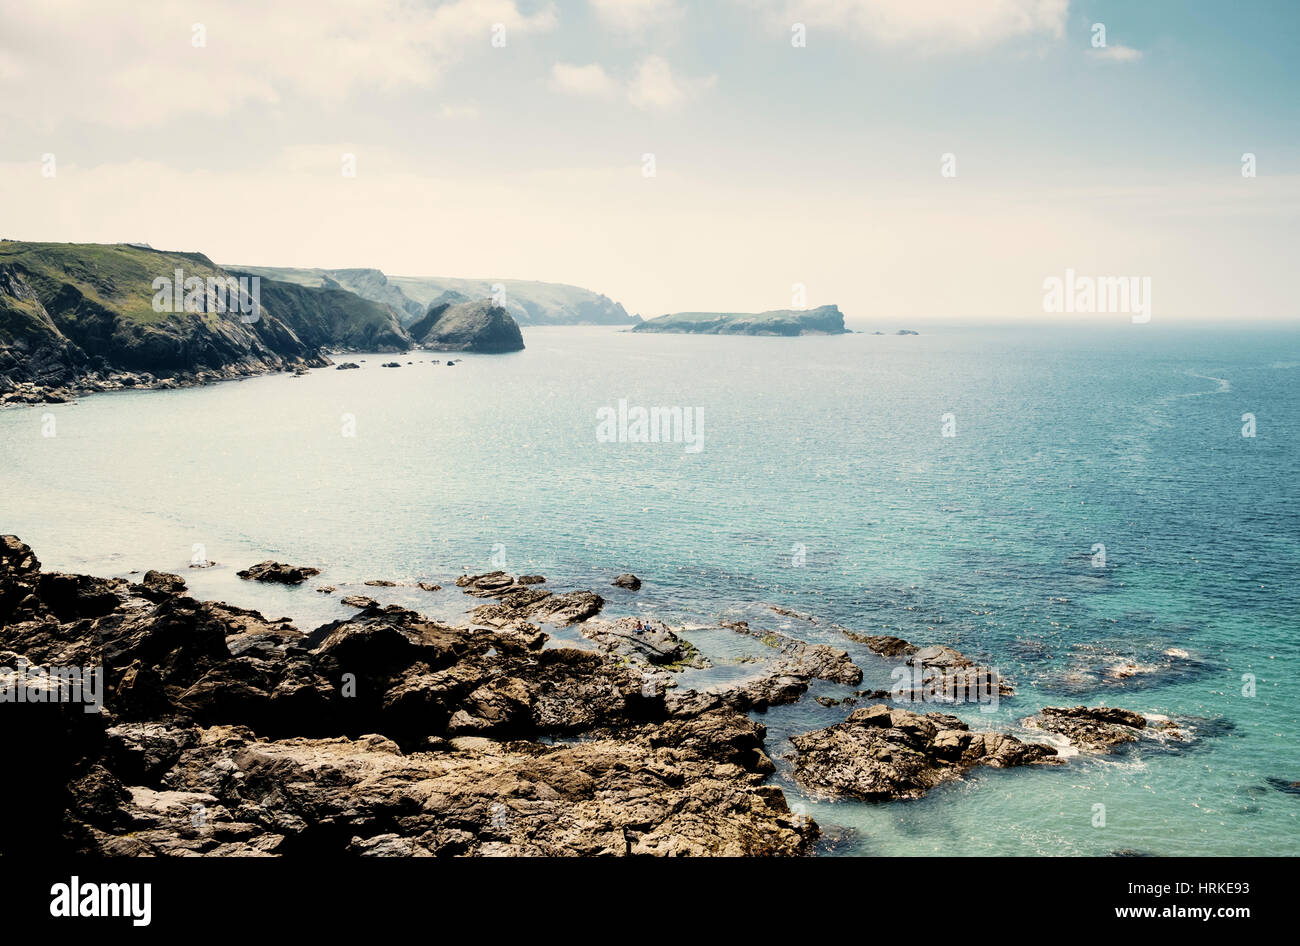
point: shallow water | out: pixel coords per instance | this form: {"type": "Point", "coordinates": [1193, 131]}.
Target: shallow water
{"type": "Point", "coordinates": [1129, 436]}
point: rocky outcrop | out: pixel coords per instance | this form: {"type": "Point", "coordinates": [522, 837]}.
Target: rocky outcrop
{"type": "Point", "coordinates": [879, 753]}
{"type": "Point", "coordinates": [278, 573]}
{"type": "Point", "coordinates": [940, 673]}
{"type": "Point", "coordinates": [520, 601]}
{"type": "Point", "coordinates": [803, 659]}
{"type": "Point", "coordinates": [628, 581]}
{"type": "Point", "coordinates": [644, 642]}
{"type": "Point", "coordinates": [782, 680]}
{"type": "Point", "coordinates": [823, 320]}
{"type": "Point", "coordinates": [468, 326]}
{"type": "Point", "coordinates": [1091, 729]}
{"type": "Point", "coordinates": [222, 732]}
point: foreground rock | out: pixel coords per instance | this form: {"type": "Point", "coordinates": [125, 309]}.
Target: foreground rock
{"type": "Point", "coordinates": [879, 753]}
{"type": "Point", "coordinates": [278, 573]}
{"type": "Point", "coordinates": [223, 732]}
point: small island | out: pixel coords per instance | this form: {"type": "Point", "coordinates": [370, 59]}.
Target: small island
{"type": "Point", "coordinates": [823, 320]}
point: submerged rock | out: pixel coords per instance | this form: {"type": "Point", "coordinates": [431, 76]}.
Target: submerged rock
{"type": "Point", "coordinates": [628, 581]}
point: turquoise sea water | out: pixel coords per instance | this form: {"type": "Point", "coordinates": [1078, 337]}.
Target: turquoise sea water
{"type": "Point", "coordinates": [1127, 436]}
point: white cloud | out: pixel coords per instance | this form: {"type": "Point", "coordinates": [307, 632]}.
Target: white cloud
{"type": "Point", "coordinates": [635, 15]}
{"type": "Point", "coordinates": [1116, 53]}
{"type": "Point", "coordinates": [69, 60]}
{"type": "Point", "coordinates": [930, 25]}
{"type": "Point", "coordinates": [591, 80]}
{"type": "Point", "coordinates": [655, 87]}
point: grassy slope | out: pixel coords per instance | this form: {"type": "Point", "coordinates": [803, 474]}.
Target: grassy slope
{"type": "Point", "coordinates": [113, 276]}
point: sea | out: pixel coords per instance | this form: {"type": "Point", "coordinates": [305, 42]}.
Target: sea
{"type": "Point", "coordinates": [1106, 514]}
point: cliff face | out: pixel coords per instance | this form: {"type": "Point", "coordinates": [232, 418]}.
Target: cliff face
{"type": "Point", "coordinates": [823, 320]}
{"type": "Point", "coordinates": [335, 317]}
{"type": "Point", "coordinates": [72, 312]}
{"type": "Point", "coordinates": [528, 302]}
{"type": "Point", "coordinates": [468, 326]}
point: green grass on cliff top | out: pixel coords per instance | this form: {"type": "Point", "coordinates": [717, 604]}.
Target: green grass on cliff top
{"type": "Point", "coordinates": [113, 275]}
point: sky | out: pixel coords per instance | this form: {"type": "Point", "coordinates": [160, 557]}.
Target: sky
{"type": "Point", "coordinates": [515, 139]}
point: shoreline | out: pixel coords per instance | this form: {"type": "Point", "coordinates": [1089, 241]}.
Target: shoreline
{"type": "Point", "coordinates": [485, 740]}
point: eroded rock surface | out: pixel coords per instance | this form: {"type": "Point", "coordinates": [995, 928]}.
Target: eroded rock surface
{"type": "Point", "coordinates": [223, 732]}
{"type": "Point", "coordinates": [880, 753]}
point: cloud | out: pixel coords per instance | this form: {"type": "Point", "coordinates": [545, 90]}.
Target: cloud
{"type": "Point", "coordinates": [929, 25]}
{"type": "Point", "coordinates": [654, 87]}
{"type": "Point", "coordinates": [591, 81]}
{"type": "Point", "coordinates": [1116, 53]}
{"type": "Point", "coordinates": [69, 60]}
{"type": "Point", "coordinates": [634, 16]}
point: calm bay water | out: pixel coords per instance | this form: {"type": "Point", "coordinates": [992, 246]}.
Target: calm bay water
{"type": "Point", "coordinates": [1125, 436]}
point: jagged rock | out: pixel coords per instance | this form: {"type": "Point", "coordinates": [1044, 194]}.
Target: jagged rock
{"type": "Point", "coordinates": [1091, 729]}
{"type": "Point", "coordinates": [158, 585]}
{"type": "Point", "coordinates": [644, 643]}
{"type": "Point", "coordinates": [278, 572]}
{"type": "Point", "coordinates": [879, 753]}
{"type": "Point", "coordinates": [346, 366]}
{"type": "Point", "coordinates": [520, 601]}
{"type": "Point", "coordinates": [941, 674]}
{"type": "Point", "coordinates": [804, 659]}
{"type": "Point", "coordinates": [359, 601]}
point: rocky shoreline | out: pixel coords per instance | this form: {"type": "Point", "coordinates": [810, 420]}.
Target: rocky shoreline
{"type": "Point", "coordinates": [218, 731]}
{"type": "Point", "coordinates": [96, 382]}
